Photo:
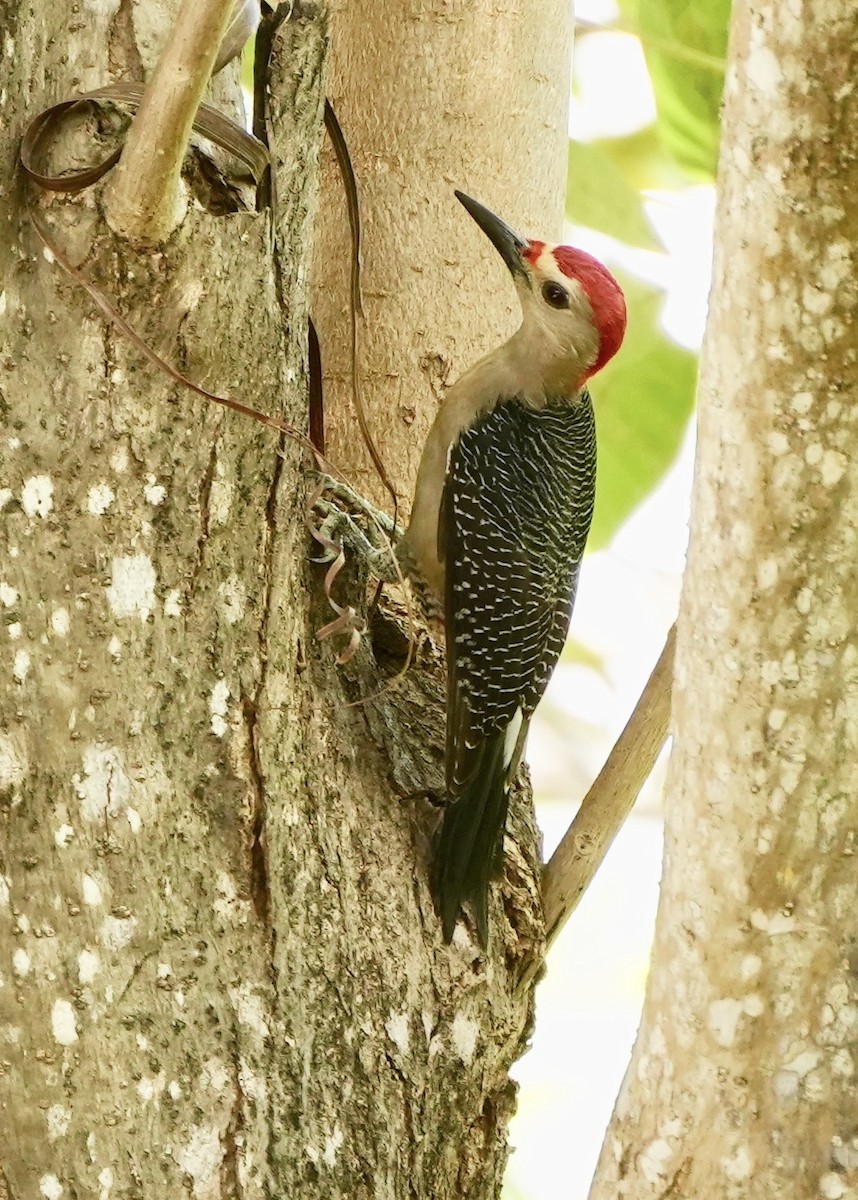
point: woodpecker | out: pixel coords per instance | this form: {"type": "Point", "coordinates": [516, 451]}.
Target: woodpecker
{"type": "Point", "coordinates": [501, 513]}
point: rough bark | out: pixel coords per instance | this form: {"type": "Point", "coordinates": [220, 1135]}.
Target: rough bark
{"type": "Point", "coordinates": [221, 968]}
{"type": "Point", "coordinates": [433, 96]}
{"type": "Point", "coordinates": [742, 1082]}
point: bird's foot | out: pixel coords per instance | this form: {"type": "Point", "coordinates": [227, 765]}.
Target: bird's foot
{"type": "Point", "coordinates": [364, 531]}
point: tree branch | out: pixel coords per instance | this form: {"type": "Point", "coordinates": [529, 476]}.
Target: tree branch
{"type": "Point", "coordinates": [609, 801]}
{"type": "Point", "coordinates": [142, 201]}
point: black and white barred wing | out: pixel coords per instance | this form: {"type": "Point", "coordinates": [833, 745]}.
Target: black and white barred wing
{"type": "Point", "coordinates": [517, 509]}
{"type": "Point", "coordinates": [514, 519]}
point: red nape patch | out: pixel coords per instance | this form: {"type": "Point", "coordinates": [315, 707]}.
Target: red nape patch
{"type": "Point", "coordinates": [605, 296]}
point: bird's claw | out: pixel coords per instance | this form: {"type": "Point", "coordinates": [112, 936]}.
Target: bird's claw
{"type": "Point", "coordinates": [340, 530]}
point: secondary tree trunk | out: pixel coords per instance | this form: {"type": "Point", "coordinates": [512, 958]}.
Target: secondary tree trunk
{"type": "Point", "coordinates": [433, 96]}
{"type": "Point", "coordinates": [742, 1082]}
{"type": "Point", "coordinates": [221, 968]}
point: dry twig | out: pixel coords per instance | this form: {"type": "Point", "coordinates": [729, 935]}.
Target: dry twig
{"type": "Point", "coordinates": [609, 801]}
{"type": "Point", "coordinates": [142, 201]}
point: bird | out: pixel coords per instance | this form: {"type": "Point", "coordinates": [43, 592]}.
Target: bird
{"type": "Point", "coordinates": [502, 509]}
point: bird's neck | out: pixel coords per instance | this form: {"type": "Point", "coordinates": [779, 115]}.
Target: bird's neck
{"type": "Point", "coordinates": [541, 370]}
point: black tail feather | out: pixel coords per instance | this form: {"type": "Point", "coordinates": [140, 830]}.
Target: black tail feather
{"type": "Point", "coordinates": [469, 845]}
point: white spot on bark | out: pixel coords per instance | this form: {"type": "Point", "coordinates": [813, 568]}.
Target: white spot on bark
{"type": "Point", "coordinates": [463, 1033]}
{"type": "Point", "coordinates": [134, 820]}
{"type": "Point", "coordinates": [13, 768]}
{"type": "Point", "coordinates": [227, 903]}
{"type": "Point", "coordinates": [21, 665]}
{"type": "Point", "coordinates": [254, 1085]}
{"type": "Point", "coordinates": [753, 1005]}
{"type": "Point", "coordinates": [57, 1119]}
{"type": "Point", "coordinates": [149, 1088]}
{"type": "Point", "coordinates": [174, 1089]}
{"type": "Point", "coordinates": [201, 1159]}
{"type": "Point", "coordinates": [14, 630]}
{"type": "Point", "coordinates": [775, 924]}
{"type": "Point", "coordinates": [831, 1186]}
{"type": "Point", "coordinates": [117, 932]}
{"type": "Point", "coordinates": [838, 267]}
{"type": "Point", "coordinates": [63, 836]}
{"type": "Point", "coordinates": [153, 492]}
{"type": "Point", "coordinates": [220, 498]}
{"type": "Point", "coordinates": [63, 1023]}
{"type": "Point", "coordinates": [804, 601]}
{"type": "Point", "coordinates": [776, 719]}
{"type": "Point", "coordinates": [802, 402]}
{"type": "Point", "coordinates": [815, 300]}
{"type": "Point", "coordinates": [49, 1185]}
{"type": "Point", "coordinates": [332, 1145]}
{"type": "Point", "coordinates": [398, 1030]}
{"type": "Point", "coordinates": [833, 467]}
{"type": "Point", "coordinates": [813, 454]}
{"type": "Point", "coordinates": [90, 889]}
{"type": "Point", "coordinates": [119, 460]}
{"type": "Point", "coordinates": [786, 1085]}
{"type": "Point", "coordinates": [114, 647]}
{"type": "Point", "coordinates": [60, 621]}
{"type": "Point", "coordinates": [218, 707]}
{"type": "Point", "coordinates": [21, 963]}
{"type": "Point", "coordinates": [105, 1178]}
{"type": "Point", "coordinates": [4, 891]}
{"type": "Point", "coordinates": [214, 1076]}
{"type": "Point", "coordinates": [738, 1165]}
{"type": "Point", "coordinates": [248, 1009]}
{"type": "Point", "coordinates": [99, 499]}
{"type": "Point", "coordinates": [132, 590]}
{"type": "Point", "coordinates": [652, 1160]}
{"type": "Point", "coordinates": [462, 938]}
{"type": "Point", "coordinates": [88, 966]}
{"type": "Point", "coordinates": [173, 604]}
{"type": "Point", "coordinates": [723, 1018]}
{"type": "Point", "coordinates": [803, 1063]}
{"type": "Point", "coordinates": [37, 496]}
{"type": "Point", "coordinates": [842, 1063]}
{"type": "Point", "coordinates": [233, 599]}
{"type": "Point", "coordinates": [8, 594]}
{"type": "Point", "coordinates": [104, 789]}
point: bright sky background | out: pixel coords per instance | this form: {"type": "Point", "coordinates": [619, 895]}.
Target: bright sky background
{"type": "Point", "coordinates": [589, 1005]}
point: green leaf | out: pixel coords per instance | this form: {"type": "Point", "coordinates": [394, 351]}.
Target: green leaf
{"type": "Point", "coordinates": [685, 43]}
{"type": "Point", "coordinates": [599, 195]}
{"type": "Point", "coordinates": [643, 400]}
{"type": "Point", "coordinates": [643, 161]}
{"type": "Point", "coordinates": [578, 654]}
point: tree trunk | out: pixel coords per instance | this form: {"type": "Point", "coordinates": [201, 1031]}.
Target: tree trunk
{"type": "Point", "coordinates": [433, 96]}
{"type": "Point", "coordinates": [221, 967]}
{"type": "Point", "coordinates": [742, 1082]}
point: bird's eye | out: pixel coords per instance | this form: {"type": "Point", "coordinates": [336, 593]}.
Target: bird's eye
{"type": "Point", "coordinates": [555, 295]}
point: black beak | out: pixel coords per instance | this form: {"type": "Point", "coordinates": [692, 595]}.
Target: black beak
{"type": "Point", "coordinates": [509, 244]}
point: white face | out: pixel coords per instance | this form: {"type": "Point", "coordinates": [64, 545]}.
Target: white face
{"type": "Point", "coordinates": [558, 323]}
